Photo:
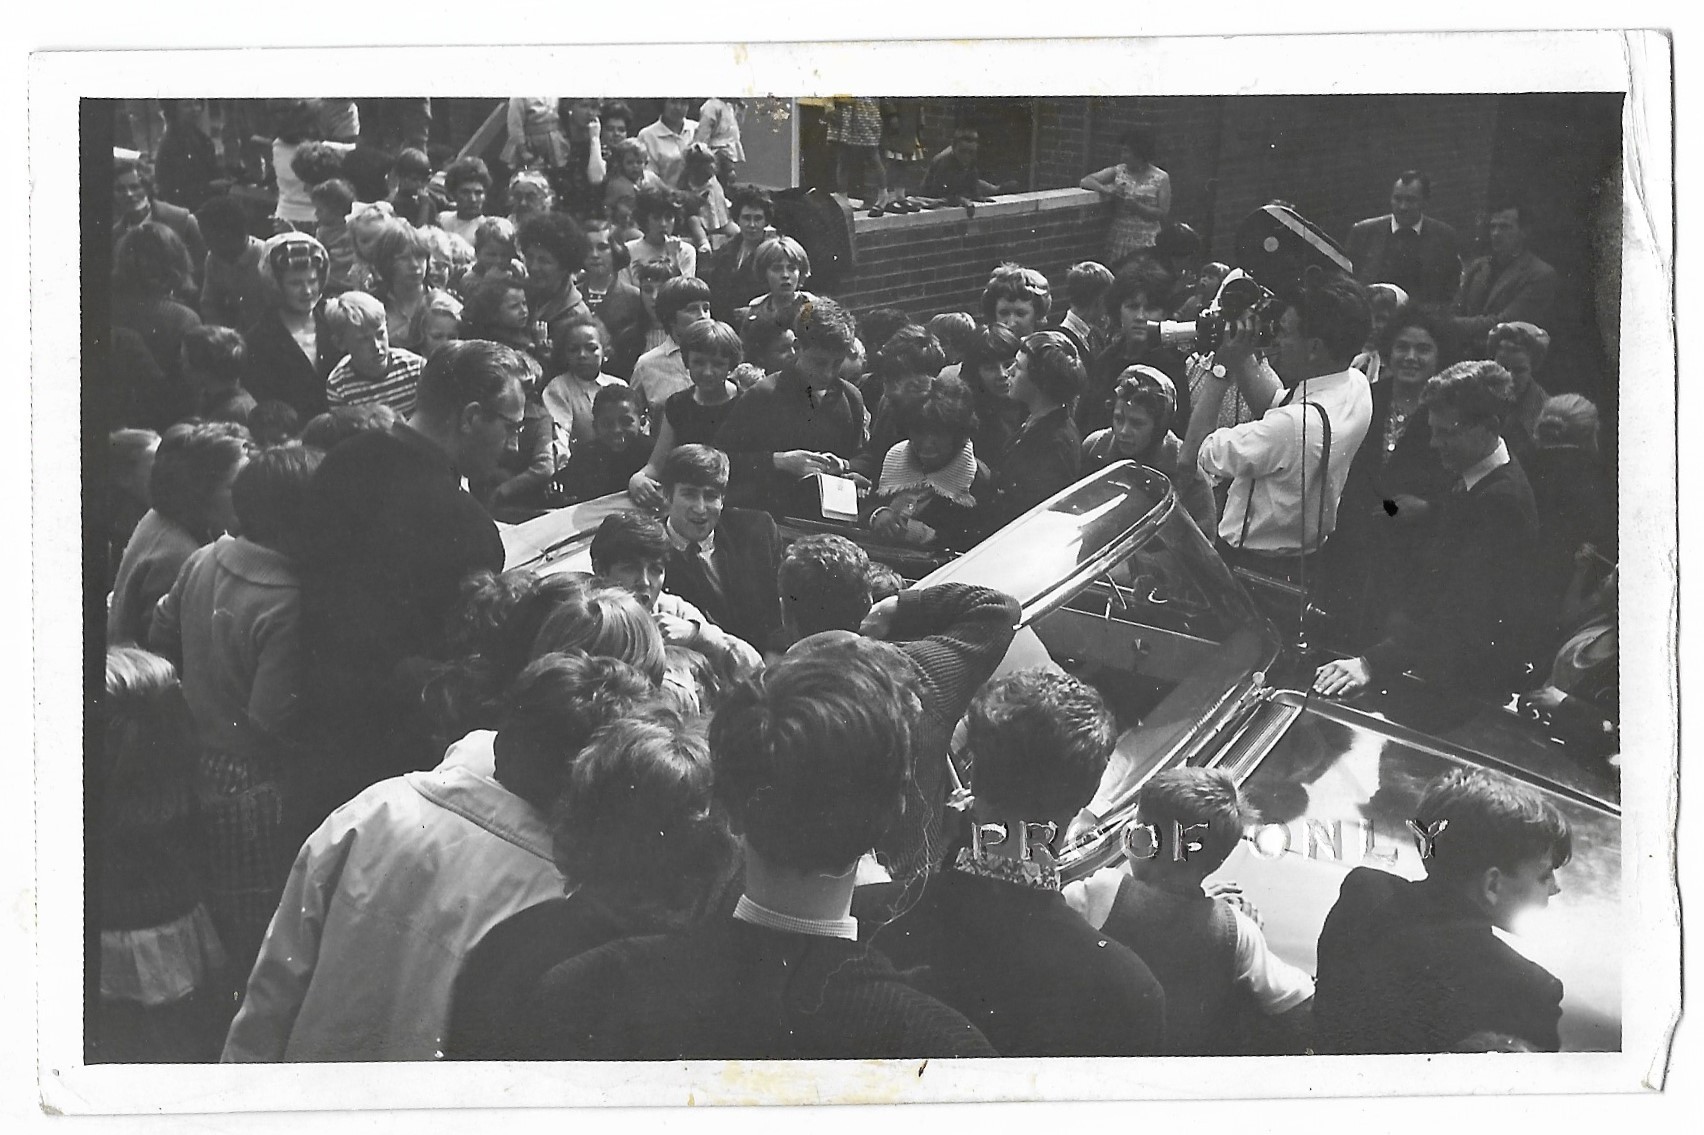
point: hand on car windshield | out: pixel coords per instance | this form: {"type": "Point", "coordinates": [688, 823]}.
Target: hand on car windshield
{"type": "Point", "coordinates": [1344, 677]}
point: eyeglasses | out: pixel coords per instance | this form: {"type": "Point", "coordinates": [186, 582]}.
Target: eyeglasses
{"type": "Point", "coordinates": [515, 425]}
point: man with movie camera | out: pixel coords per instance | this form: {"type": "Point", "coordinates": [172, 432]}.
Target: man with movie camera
{"type": "Point", "coordinates": [1288, 466]}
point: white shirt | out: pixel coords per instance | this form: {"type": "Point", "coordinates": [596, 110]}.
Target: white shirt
{"type": "Point", "coordinates": [1275, 984]}
{"type": "Point", "coordinates": [1266, 461]}
{"type": "Point", "coordinates": [451, 223]}
{"type": "Point", "coordinates": [1483, 468]}
{"type": "Point", "coordinates": [1396, 227]}
{"type": "Point", "coordinates": [657, 374]}
{"type": "Point", "coordinates": [667, 149]}
{"type": "Point", "coordinates": [747, 911]}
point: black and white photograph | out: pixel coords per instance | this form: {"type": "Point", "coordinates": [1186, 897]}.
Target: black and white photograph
{"type": "Point", "coordinates": [661, 596]}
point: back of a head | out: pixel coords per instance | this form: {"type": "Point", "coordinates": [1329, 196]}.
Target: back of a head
{"type": "Point", "coordinates": [464, 372]}
{"type": "Point", "coordinates": [149, 739]}
{"type": "Point", "coordinates": [193, 458]}
{"type": "Point", "coordinates": [629, 537]}
{"type": "Point", "coordinates": [1335, 310]}
{"type": "Point", "coordinates": [953, 330]}
{"type": "Point", "coordinates": [812, 756]}
{"type": "Point", "coordinates": [1179, 799]}
{"type": "Point", "coordinates": [606, 622]}
{"type": "Point", "coordinates": [1479, 392]}
{"type": "Point", "coordinates": [1056, 365]}
{"type": "Point", "coordinates": [222, 218]}
{"type": "Point", "coordinates": [270, 497]}
{"type": "Point", "coordinates": [636, 823]}
{"type": "Point", "coordinates": [1039, 743]}
{"type": "Point", "coordinates": [340, 423]}
{"type": "Point", "coordinates": [878, 325]}
{"type": "Point", "coordinates": [911, 350]}
{"type": "Point", "coordinates": [552, 711]}
{"type": "Point", "coordinates": [824, 582]}
{"type": "Point", "coordinates": [824, 324]}
{"type": "Point", "coordinates": [994, 343]}
{"type": "Point", "coordinates": [1086, 283]}
{"type": "Point", "coordinates": [274, 422]}
{"type": "Point", "coordinates": [1488, 821]}
{"type": "Point", "coordinates": [150, 260]}
{"type": "Point", "coordinates": [1567, 419]}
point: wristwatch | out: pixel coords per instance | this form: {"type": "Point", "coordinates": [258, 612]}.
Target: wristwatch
{"type": "Point", "coordinates": [1218, 370]}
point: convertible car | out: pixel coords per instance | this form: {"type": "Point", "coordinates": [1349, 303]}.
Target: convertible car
{"type": "Point", "coordinates": [1121, 589]}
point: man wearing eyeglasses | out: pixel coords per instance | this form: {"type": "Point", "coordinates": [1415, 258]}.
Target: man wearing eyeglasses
{"type": "Point", "coordinates": [392, 534]}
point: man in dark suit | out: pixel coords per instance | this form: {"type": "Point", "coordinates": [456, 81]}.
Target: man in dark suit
{"type": "Point", "coordinates": [133, 203]}
{"type": "Point", "coordinates": [1467, 621]}
{"type": "Point", "coordinates": [721, 560]}
{"type": "Point", "coordinates": [1419, 254]}
{"type": "Point", "coordinates": [392, 534]}
{"type": "Point", "coordinates": [1510, 286]}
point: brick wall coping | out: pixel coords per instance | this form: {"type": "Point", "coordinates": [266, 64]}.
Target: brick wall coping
{"type": "Point", "coordinates": [1011, 205]}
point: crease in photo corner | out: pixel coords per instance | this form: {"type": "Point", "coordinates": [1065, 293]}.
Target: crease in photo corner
{"type": "Point", "coordinates": [1637, 140]}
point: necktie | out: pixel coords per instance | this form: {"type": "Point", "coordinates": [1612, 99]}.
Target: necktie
{"type": "Point", "coordinates": [702, 568]}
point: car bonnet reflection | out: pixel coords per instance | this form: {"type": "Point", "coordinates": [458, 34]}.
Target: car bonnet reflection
{"type": "Point", "coordinates": [1334, 796]}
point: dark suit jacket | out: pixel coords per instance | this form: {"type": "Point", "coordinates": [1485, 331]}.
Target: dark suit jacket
{"type": "Point", "coordinates": [1408, 967]}
{"type": "Point", "coordinates": [1525, 290]}
{"type": "Point", "coordinates": [731, 285]}
{"type": "Point", "coordinates": [747, 556]}
{"type": "Point", "coordinates": [276, 367]}
{"type": "Point", "coordinates": [1468, 617]}
{"type": "Point", "coordinates": [1440, 258]}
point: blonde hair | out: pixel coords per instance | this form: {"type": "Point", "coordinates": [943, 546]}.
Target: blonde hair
{"type": "Point", "coordinates": [354, 311]}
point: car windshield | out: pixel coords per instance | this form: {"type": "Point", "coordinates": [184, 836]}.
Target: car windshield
{"type": "Point", "coordinates": [1120, 589]}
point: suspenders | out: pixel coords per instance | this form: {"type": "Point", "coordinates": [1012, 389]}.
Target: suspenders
{"type": "Point", "coordinates": [1324, 488]}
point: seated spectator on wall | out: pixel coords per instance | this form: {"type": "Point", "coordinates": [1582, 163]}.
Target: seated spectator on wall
{"type": "Point", "coordinates": [954, 173]}
{"type": "Point", "coordinates": [991, 935]}
{"type": "Point", "coordinates": [657, 211]}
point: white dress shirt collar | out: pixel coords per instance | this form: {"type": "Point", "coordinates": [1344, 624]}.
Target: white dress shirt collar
{"type": "Point", "coordinates": [1483, 468]}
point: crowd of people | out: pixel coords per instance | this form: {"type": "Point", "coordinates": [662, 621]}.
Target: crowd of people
{"type": "Point", "coordinates": [364, 794]}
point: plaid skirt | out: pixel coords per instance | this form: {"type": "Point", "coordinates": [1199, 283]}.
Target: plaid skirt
{"type": "Point", "coordinates": [856, 122]}
{"type": "Point", "coordinates": [246, 859]}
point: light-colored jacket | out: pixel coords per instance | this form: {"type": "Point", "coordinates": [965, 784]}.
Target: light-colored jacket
{"type": "Point", "coordinates": [382, 905]}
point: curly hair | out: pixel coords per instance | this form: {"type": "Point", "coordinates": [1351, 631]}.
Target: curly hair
{"type": "Point", "coordinates": [1038, 740]}
{"type": "Point", "coordinates": [1014, 283]}
{"type": "Point", "coordinates": [1479, 391]}
{"type": "Point", "coordinates": [637, 822]}
{"type": "Point", "coordinates": [1489, 821]}
{"type": "Point", "coordinates": [151, 260]}
{"type": "Point", "coordinates": [824, 582]}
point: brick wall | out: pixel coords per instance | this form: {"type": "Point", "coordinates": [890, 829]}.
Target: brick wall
{"type": "Point", "coordinates": [930, 263]}
{"type": "Point", "coordinates": [1334, 157]}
